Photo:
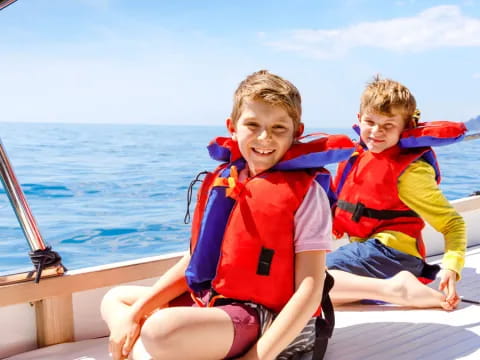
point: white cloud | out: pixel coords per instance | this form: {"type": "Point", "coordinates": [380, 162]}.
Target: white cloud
{"type": "Point", "coordinates": [476, 75]}
{"type": "Point", "coordinates": [437, 27]}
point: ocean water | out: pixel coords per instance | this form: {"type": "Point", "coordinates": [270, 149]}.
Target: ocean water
{"type": "Point", "coordinates": [107, 193]}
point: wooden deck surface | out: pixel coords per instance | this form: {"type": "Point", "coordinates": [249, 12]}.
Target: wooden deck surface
{"type": "Point", "coordinates": [396, 333]}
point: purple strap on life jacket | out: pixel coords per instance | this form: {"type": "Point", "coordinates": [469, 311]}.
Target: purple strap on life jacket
{"type": "Point", "coordinates": [218, 152]}
{"type": "Point", "coordinates": [203, 264]}
{"type": "Point", "coordinates": [413, 140]}
{"type": "Point", "coordinates": [314, 160]}
{"type": "Point", "coordinates": [346, 171]}
{"type": "Point", "coordinates": [430, 157]}
{"type": "Point", "coordinates": [424, 141]}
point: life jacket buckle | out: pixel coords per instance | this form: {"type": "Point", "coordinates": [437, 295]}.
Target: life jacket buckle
{"type": "Point", "coordinates": [358, 212]}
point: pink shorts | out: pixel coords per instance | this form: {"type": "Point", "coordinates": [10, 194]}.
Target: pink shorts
{"type": "Point", "coordinates": [245, 319]}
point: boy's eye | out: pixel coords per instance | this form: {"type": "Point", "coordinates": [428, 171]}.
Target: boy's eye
{"type": "Point", "coordinates": [390, 126]}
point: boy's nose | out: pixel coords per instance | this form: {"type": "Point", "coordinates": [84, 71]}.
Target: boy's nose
{"type": "Point", "coordinates": [376, 128]}
{"type": "Point", "coordinates": [264, 134]}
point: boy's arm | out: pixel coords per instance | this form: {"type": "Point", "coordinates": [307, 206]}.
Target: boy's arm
{"type": "Point", "coordinates": [418, 189]}
{"type": "Point", "coordinates": [309, 278]}
{"type": "Point", "coordinates": [166, 288]}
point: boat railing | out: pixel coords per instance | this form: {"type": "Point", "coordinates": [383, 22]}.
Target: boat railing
{"type": "Point", "coordinates": [46, 261]}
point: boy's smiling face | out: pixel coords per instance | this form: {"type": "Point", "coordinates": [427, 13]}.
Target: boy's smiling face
{"type": "Point", "coordinates": [380, 132]}
{"type": "Point", "coordinates": [264, 133]}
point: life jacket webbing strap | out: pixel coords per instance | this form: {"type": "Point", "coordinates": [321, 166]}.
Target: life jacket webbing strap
{"type": "Point", "coordinates": [265, 261]}
{"type": "Point", "coordinates": [358, 210]}
{"type": "Point", "coordinates": [324, 325]}
{"type": "Point", "coordinates": [198, 178]}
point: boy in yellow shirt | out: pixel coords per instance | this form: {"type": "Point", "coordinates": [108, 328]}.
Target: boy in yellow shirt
{"type": "Point", "coordinates": [384, 194]}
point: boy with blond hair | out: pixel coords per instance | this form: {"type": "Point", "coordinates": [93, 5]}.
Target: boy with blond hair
{"type": "Point", "coordinates": [260, 231]}
{"type": "Point", "coordinates": [385, 191]}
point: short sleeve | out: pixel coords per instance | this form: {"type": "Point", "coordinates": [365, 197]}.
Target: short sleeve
{"type": "Point", "coordinates": [313, 221]}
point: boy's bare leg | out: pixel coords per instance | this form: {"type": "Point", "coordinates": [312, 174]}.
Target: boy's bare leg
{"type": "Point", "coordinates": [118, 300]}
{"type": "Point", "coordinates": [402, 289]}
{"type": "Point", "coordinates": [185, 333]}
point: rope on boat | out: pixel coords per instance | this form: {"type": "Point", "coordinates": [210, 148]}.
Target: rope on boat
{"type": "Point", "coordinates": [42, 259]}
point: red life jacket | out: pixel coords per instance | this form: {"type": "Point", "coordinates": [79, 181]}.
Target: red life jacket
{"type": "Point", "coordinates": [262, 262]}
{"type": "Point", "coordinates": [368, 202]}
{"type": "Point", "coordinates": [242, 233]}
{"type": "Point", "coordinates": [366, 184]}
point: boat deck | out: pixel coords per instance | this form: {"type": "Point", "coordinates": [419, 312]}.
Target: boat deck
{"type": "Point", "coordinates": [392, 332]}
{"type": "Point", "coordinates": [365, 331]}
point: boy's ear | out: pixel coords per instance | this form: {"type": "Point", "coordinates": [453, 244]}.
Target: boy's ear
{"type": "Point", "coordinates": [359, 117]}
{"type": "Point", "coordinates": [300, 129]}
{"type": "Point", "coordinates": [231, 128]}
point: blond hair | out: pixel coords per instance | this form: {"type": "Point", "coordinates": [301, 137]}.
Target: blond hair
{"type": "Point", "coordinates": [271, 89]}
{"type": "Point", "coordinates": [388, 97]}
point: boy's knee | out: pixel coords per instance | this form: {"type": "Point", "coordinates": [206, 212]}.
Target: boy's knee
{"type": "Point", "coordinates": [111, 297]}
{"type": "Point", "coordinates": [160, 334]}
{"type": "Point", "coordinates": [107, 299]}
{"type": "Point", "coordinates": [113, 293]}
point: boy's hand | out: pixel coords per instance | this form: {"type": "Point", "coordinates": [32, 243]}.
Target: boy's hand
{"type": "Point", "coordinates": [448, 284]}
{"type": "Point", "coordinates": [122, 338]}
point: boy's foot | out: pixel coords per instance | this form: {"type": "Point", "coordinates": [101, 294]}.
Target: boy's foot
{"type": "Point", "coordinates": [407, 290]}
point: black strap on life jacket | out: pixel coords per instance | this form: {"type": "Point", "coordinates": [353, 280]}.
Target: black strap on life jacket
{"type": "Point", "coordinates": [198, 178]}
{"type": "Point", "coordinates": [358, 210]}
{"type": "Point", "coordinates": [325, 324]}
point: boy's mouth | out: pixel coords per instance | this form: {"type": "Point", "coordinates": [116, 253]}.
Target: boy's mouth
{"type": "Point", "coordinates": [375, 140]}
{"type": "Point", "coordinates": [263, 151]}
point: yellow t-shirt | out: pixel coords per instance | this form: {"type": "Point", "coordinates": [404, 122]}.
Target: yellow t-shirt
{"type": "Point", "coordinates": [418, 189]}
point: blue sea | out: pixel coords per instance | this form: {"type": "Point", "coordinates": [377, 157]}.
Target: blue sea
{"type": "Point", "coordinates": [107, 193]}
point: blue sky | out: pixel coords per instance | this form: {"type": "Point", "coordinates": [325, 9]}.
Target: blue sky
{"type": "Point", "coordinates": [178, 62]}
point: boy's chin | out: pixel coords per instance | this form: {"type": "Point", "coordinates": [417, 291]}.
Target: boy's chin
{"type": "Point", "coordinates": [378, 148]}
{"type": "Point", "coordinates": [260, 170]}
{"type": "Point", "coordinates": [373, 149]}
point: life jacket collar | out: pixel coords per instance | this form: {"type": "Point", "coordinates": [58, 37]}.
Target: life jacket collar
{"type": "Point", "coordinates": [301, 155]}
{"type": "Point", "coordinates": [433, 133]}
